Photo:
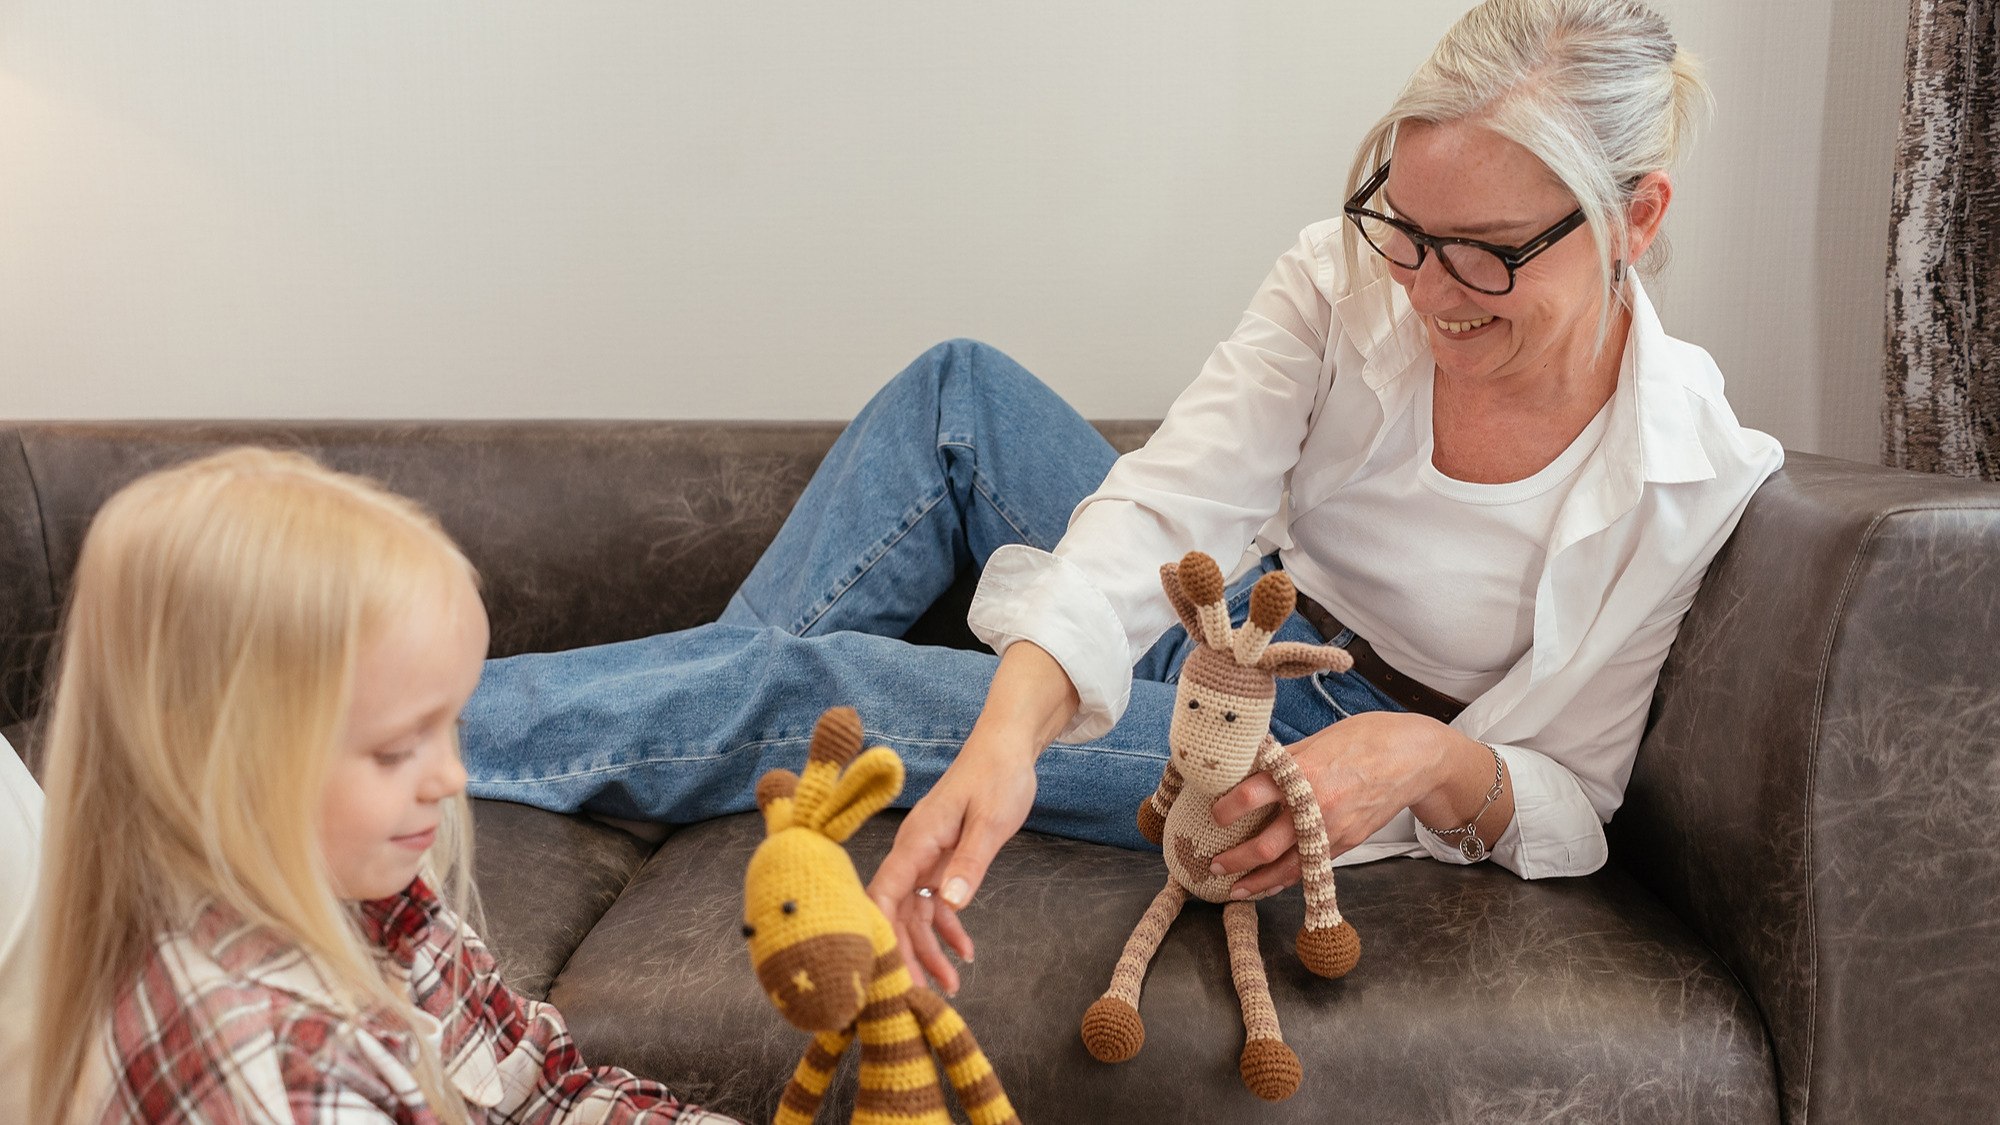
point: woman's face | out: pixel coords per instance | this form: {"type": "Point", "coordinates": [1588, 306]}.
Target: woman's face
{"type": "Point", "coordinates": [1463, 180]}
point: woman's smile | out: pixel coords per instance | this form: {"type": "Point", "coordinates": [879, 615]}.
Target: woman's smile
{"type": "Point", "coordinates": [1462, 329]}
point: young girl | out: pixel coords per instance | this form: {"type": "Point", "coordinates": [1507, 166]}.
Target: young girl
{"type": "Point", "coordinates": [254, 800]}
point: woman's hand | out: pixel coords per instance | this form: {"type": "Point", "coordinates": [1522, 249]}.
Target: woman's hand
{"type": "Point", "coordinates": [1365, 770]}
{"type": "Point", "coordinates": [952, 834]}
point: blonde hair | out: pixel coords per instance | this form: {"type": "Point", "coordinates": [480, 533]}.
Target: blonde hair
{"type": "Point", "coordinates": [1595, 89]}
{"type": "Point", "coordinates": [207, 658]}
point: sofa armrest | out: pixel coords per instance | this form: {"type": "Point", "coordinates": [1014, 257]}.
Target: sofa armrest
{"type": "Point", "coordinates": [1819, 793]}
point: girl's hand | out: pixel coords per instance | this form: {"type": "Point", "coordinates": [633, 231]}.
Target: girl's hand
{"type": "Point", "coordinates": [1365, 770]}
{"type": "Point", "coordinates": [953, 833]}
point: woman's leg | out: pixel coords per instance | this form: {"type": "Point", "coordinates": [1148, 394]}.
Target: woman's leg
{"type": "Point", "coordinates": [679, 727]}
{"type": "Point", "coordinates": [962, 453]}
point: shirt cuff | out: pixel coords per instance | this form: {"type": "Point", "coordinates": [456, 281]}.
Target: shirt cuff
{"type": "Point", "coordinates": [1555, 831]}
{"type": "Point", "coordinates": [1031, 595]}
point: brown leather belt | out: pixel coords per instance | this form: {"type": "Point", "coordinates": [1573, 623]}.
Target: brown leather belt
{"type": "Point", "coordinates": [1414, 696]}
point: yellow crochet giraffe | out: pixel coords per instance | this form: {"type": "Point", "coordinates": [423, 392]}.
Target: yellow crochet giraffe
{"type": "Point", "coordinates": [1220, 735]}
{"type": "Point", "coordinates": [828, 958]}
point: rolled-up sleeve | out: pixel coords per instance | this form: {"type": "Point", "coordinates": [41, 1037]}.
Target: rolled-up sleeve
{"type": "Point", "coordinates": [1213, 474]}
{"type": "Point", "coordinates": [1028, 594]}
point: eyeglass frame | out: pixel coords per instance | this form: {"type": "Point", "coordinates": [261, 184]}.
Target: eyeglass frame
{"type": "Point", "coordinates": [1512, 257]}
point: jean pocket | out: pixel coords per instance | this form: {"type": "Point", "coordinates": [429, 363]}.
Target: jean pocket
{"type": "Point", "coordinates": [1319, 685]}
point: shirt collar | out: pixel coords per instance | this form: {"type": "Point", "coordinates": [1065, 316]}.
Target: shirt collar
{"type": "Point", "coordinates": [1652, 428]}
{"type": "Point", "coordinates": [398, 924]}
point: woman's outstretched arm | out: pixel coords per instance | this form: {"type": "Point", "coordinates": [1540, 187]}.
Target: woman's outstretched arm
{"type": "Point", "coordinates": [953, 833]}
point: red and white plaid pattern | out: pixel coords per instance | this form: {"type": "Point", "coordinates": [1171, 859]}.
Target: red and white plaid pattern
{"type": "Point", "coordinates": [231, 1025]}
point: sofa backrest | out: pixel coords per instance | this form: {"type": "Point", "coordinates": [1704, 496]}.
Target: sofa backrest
{"type": "Point", "coordinates": [583, 532]}
{"type": "Point", "coordinates": [1818, 793]}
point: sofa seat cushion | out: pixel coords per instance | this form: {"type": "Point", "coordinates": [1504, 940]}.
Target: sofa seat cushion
{"type": "Point", "coordinates": [1479, 997]}
{"type": "Point", "coordinates": [544, 880]}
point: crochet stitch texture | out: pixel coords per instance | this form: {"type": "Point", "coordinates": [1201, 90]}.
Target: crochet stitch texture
{"type": "Point", "coordinates": [829, 960]}
{"type": "Point", "coordinates": [1219, 736]}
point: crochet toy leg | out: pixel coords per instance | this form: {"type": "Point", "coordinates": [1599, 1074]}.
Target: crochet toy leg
{"type": "Point", "coordinates": [808, 1084]}
{"type": "Point", "coordinates": [1269, 1068]}
{"type": "Point", "coordinates": [1112, 1028]}
{"type": "Point", "coordinates": [970, 1072]}
{"type": "Point", "coordinates": [1327, 943]}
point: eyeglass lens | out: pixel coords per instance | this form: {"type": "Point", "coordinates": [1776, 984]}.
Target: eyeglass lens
{"type": "Point", "coordinates": [1475, 267]}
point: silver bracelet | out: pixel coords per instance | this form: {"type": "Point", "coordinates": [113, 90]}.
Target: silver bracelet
{"type": "Point", "coordinates": [1466, 836]}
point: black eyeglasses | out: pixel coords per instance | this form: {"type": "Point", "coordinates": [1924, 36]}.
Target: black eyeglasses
{"type": "Point", "coordinates": [1480, 266]}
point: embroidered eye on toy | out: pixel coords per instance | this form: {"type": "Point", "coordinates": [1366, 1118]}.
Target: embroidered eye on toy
{"type": "Point", "coordinates": [828, 959]}
{"type": "Point", "coordinates": [1221, 735]}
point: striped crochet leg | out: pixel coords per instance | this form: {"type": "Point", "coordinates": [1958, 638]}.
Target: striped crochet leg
{"type": "Point", "coordinates": [1327, 944]}
{"type": "Point", "coordinates": [808, 1084]}
{"type": "Point", "coordinates": [1269, 1068]}
{"type": "Point", "coordinates": [1153, 810]}
{"type": "Point", "coordinates": [968, 1068]}
{"type": "Point", "coordinates": [1112, 1028]}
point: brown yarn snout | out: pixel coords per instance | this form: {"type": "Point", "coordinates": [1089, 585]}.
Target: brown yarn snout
{"type": "Point", "coordinates": [819, 984]}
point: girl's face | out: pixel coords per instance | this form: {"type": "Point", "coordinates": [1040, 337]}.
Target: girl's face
{"type": "Point", "coordinates": [397, 760]}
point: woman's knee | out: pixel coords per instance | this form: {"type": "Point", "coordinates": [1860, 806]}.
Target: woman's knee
{"type": "Point", "coordinates": [976, 370]}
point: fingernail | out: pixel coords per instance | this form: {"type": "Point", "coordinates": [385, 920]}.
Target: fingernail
{"type": "Point", "coordinates": [957, 892]}
{"type": "Point", "coordinates": [1238, 892]}
{"type": "Point", "coordinates": [1216, 868]}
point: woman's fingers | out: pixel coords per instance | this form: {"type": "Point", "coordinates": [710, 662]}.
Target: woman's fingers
{"type": "Point", "coordinates": [924, 934]}
{"type": "Point", "coordinates": [1274, 876]}
{"type": "Point", "coordinates": [1262, 850]}
{"type": "Point", "coordinates": [952, 932]}
{"type": "Point", "coordinates": [1254, 792]}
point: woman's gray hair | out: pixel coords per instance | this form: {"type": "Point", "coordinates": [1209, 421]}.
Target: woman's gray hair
{"type": "Point", "coordinates": [1596, 89]}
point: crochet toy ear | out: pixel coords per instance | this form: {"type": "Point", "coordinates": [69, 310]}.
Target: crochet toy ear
{"type": "Point", "coordinates": [1271, 601]}
{"type": "Point", "coordinates": [774, 799]}
{"type": "Point", "coordinates": [1287, 659]}
{"type": "Point", "coordinates": [1201, 580]}
{"type": "Point", "coordinates": [870, 783]}
{"type": "Point", "coordinates": [1170, 579]}
{"type": "Point", "coordinates": [836, 739]}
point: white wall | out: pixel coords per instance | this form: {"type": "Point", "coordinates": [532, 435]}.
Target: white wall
{"type": "Point", "coordinates": [645, 208]}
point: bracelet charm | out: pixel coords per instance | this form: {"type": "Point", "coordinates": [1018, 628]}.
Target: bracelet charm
{"type": "Point", "coordinates": [1466, 836]}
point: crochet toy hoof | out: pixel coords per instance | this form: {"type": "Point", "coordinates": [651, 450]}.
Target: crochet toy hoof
{"type": "Point", "coordinates": [1270, 1069]}
{"type": "Point", "coordinates": [1330, 952]}
{"type": "Point", "coordinates": [1152, 825]}
{"type": "Point", "coordinates": [1113, 1030]}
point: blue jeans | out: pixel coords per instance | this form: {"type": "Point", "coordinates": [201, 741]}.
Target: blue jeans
{"type": "Point", "coordinates": [962, 453]}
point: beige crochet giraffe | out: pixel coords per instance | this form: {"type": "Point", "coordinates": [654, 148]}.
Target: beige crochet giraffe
{"type": "Point", "coordinates": [1220, 736]}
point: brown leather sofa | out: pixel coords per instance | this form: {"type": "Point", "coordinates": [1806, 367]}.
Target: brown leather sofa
{"type": "Point", "coordinates": [1800, 922]}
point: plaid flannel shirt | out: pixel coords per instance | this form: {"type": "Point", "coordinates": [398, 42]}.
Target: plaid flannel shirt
{"type": "Point", "coordinates": [229, 1024]}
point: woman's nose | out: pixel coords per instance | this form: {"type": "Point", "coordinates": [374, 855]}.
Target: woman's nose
{"type": "Point", "coordinates": [1431, 287]}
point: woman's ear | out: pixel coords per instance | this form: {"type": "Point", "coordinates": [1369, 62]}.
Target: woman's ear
{"type": "Point", "coordinates": [1647, 212]}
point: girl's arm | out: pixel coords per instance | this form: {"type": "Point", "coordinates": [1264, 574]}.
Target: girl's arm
{"type": "Point", "coordinates": [537, 1073]}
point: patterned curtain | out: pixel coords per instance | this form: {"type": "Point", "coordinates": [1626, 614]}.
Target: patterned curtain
{"type": "Point", "coordinates": [1943, 370]}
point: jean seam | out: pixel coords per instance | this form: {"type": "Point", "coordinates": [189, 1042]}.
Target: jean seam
{"type": "Point", "coordinates": [868, 563]}
{"type": "Point", "coordinates": [766, 743]}
{"type": "Point", "coordinates": [982, 485]}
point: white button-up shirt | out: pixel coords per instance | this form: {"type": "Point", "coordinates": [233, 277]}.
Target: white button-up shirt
{"type": "Point", "coordinates": [1290, 408]}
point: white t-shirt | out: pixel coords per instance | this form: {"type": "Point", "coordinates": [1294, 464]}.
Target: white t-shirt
{"type": "Point", "coordinates": [1438, 574]}
{"type": "Point", "coordinates": [20, 858]}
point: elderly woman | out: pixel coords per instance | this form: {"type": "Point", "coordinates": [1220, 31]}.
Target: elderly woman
{"type": "Point", "coordinates": [1450, 415]}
